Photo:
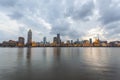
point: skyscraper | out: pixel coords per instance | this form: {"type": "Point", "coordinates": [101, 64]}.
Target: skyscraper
{"type": "Point", "coordinates": [71, 42]}
{"type": "Point", "coordinates": [44, 40]}
{"type": "Point", "coordinates": [55, 40]}
{"type": "Point", "coordinates": [90, 40]}
{"type": "Point", "coordinates": [29, 39]}
{"type": "Point", "coordinates": [58, 39]}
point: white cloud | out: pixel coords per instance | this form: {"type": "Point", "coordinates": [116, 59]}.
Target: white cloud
{"type": "Point", "coordinates": [72, 18]}
{"type": "Point", "coordinates": [97, 32]}
{"type": "Point", "coordinates": [44, 23]}
{"type": "Point", "coordinates": [8, 25]}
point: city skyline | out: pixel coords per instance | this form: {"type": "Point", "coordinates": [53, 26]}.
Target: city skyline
{"type": "Point", "coordinates": [73, 19]}
{"type": "Point", "coordinates": [58, 42]}
{"type": "Point", "coordinates": [29, 38]}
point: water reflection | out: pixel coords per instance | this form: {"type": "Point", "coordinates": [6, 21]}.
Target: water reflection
{"type": "Point", "coordinates": [20, 53]}
{"type": "Point", "coordinates": [28, 53]}
{"type": "Point", "coordinates": [20, 57]}
{"type": "Point", "coordinates": [57, 52]}
{"type": "Point", "coordinates": [44, 53]}
{"type": "Point", "coordinates": [97, 60]}
{"type": "Point", "coordinates": [60, 64]}
{"type": "Point", "coordinates": [96, 56]}
{"type": "Point", "coordinates": [28, 57]}
{"type": "Point", "coordinates": [57, 55]}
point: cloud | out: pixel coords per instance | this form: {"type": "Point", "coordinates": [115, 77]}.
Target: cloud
{"type": "Point", "coordinates": [112, 30]}
{"type": "Point", "coordinates": [7, 3]}
{"type": "Point", "coordinates": [81, 12]}
{"type": "Point", "coordinates": [109, 11]}
{"type": "Point", "coordinates": [16, 15]}
{"type": "Point", "coordinates": [9, 30]}
{"type": "Point", "coordinates": [71, 18]}
{"type": "Point", "coordinates": [65, 29]}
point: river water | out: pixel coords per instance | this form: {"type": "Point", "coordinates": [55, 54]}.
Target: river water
{"type": "Point", "coordinates": [60, 63]}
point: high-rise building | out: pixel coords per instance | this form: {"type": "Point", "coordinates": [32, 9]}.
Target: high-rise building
{"type": "Point", "coordinates": [90, 40]}
{"type": "Point", "coordinates": [58, 35]}
{"type": "Point", "coordinates": [55, 40]}
{"type": "Point", "coordinates": [58, 39]}
{"type": "Point", "coordinates": [44, 40]}
{"type": "Point", "coordinates": [77, 41]}
{"type": "Point", "coordinates": [29, 39]}
{"type": "Point", "coordinates": [71, 41]}
{"type": "Point", "coordinates": [21, 41]}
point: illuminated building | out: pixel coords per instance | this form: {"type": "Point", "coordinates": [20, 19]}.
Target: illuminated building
{"type": "Point", "coordinates": [21, 41]}
{"type": "Point", "coordinates": [86, 43]}
{"type": "Point", "coordinates": [103, 43]}
{"type": "Point", "coordinates": [57, 42]}
{"type": "Point", "coordinates": [10, 43]}
{"type": "Point", "coordinates": [96, 43]}
{"type": "Point", "coordinates": [29, 39]}
{"type": "Point", "coordinates": [34, 44]}
{"type": "Point", "coordinates": [62, 44]}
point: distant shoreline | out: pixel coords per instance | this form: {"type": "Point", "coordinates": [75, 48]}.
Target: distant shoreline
{"type": "Point", "coordinates": [60, 46]}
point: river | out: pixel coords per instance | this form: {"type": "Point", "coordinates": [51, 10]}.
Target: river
{"type": "Point", "coordinates": [60, 63]}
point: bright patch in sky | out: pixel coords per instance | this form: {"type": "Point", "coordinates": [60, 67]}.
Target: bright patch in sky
{"type": "Point", "coordinates": [73, 19]}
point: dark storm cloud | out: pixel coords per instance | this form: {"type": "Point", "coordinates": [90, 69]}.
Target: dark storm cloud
{"type": "Point", "coordinates": [75, 34]}
{"type": "Point", "coordinates": [60, 27]}
{"type": "Point", "coordinates": [16, 15]}
{"type": "Point", "coordinates": [65, 29]}
{"type": "Point", "coordinates": [113, 29]}
{"type": "Point", "coordinates": [7, 3]}
{"type": "Point", "coordinates": [39, 15]}
{"type": "Point", "coordinates": [112, 26]}
{"type": "Point", "coordinates": [109, 11]}
{"type": "Point", "coordinates": [82, 12]}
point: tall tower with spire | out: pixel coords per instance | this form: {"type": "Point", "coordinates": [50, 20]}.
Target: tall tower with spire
{"type": "Point", "coordinates": [29, 39]}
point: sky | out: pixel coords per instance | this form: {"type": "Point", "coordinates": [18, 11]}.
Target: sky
{"type": "Point", "coordinates": [73, 19]}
